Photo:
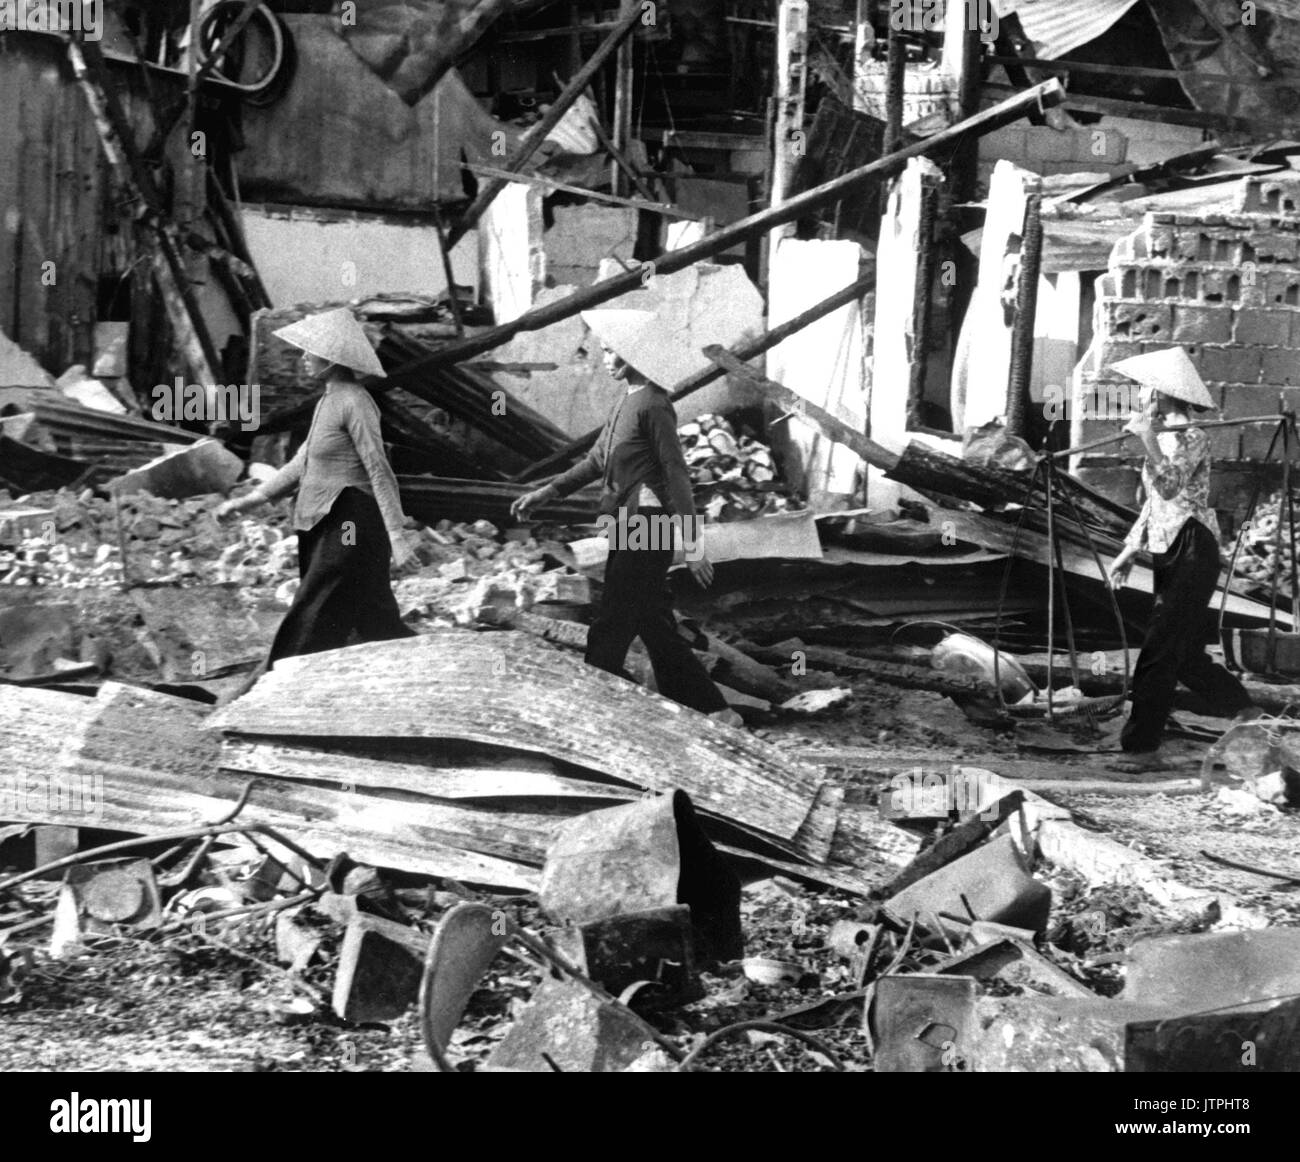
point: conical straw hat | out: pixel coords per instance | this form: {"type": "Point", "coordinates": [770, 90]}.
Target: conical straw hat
{"type": "Point", "coordinates": [1170, 372]}
{"type": "Point", "coordinates": [650, 327]}
{"type": "Point", "coordinates": [337, 336]}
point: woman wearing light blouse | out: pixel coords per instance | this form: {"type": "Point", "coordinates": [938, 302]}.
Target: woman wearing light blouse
{"type": "Point", "coordinates": [1181, 531]}
{"type": "Point", "coordinates": [347, 515]}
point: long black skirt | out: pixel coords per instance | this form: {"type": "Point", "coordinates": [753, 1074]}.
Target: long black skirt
{"type": "Point", "coordinates": [344, 587]}
{"type": "Point", "coordinates": [1174, 650]}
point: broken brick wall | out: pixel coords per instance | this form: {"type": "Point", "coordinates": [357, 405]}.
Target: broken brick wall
{"type": "Point", "coordinates": [1226, 286]}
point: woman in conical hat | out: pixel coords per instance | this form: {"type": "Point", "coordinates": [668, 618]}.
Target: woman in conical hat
{"type": "Point", "coordinates": [646, 489]}
{"type": "Point", "coordinates": [1181, 531]}
{"type": "Point", "coordinates": [347, 515]}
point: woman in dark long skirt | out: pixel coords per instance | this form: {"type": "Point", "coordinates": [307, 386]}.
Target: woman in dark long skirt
{"type": "Point", "coordinates": [348, 516]}
{"type": "Point", "coordinates": [1180, 529]}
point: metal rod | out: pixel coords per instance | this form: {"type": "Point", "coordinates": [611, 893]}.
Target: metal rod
{"type": "Point", "coordinates": [1250, 516]}
{"type": "Point", "coordinates": [1048, 94]}
{"type": "Point", "coordinates": [920, 361]}
{"type": "Point", "coordinates": [1022, 339]}
{"type": "Point", "coordinates": [1053, 547]}
{"type": "Point", "coordinates": [1065, 596]}
{"type": "Point", "coordinates": [1078, 449]}
{"type": "Point", "coordinates": [594, 195]}
{"type": "Point", "coordinates": [537, 134]}
{"type": "Point", "coordinates": [620, 159]}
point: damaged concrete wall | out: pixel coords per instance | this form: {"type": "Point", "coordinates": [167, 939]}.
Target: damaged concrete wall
{"type": "Point", "coordinates": [1224, 286]}
{"type": "Point", "coordinates": [824, 363]}
{"type": "Point", "coordinates": [307, 255]}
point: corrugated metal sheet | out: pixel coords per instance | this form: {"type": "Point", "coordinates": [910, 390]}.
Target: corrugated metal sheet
{"type": "Point", "coordinates": [1057, 26]}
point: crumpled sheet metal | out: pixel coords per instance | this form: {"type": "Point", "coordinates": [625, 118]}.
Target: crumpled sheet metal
{"type": "Point", "coordinates": [642, 856]}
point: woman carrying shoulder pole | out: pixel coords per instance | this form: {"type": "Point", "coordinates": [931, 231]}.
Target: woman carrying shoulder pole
{"type": "Point", "coordinates": [1180, 529]}
{"type": "Point", "coordinates": [347, 515]}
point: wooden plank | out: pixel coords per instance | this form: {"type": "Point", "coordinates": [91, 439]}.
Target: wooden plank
{"type": "Point", "coordinates": [506, 689]}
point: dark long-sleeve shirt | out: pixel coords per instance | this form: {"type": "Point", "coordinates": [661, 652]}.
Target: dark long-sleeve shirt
{"type": "Point", "coordinates": [343, 449]}
{"type": "Point", "coordinates": [638, 447]}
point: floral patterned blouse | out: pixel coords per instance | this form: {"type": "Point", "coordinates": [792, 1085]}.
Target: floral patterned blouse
{"type": "Point", "coordinates": [1177, 491]}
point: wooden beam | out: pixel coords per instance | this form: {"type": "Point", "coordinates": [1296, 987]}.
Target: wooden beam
{"type": "Point", "coordinates": [1196, 118]}
{"type": "Point", "coordinates": [537, 134]}
{"type": "Point", "coordinates": [1049, 93]}
{"type": "Point", "coordinates": [595, 195]}
{"type": "Point", "coordinates": [115, 137]}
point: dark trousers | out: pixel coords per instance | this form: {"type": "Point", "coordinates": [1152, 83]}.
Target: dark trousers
{"type": "Point", "coordinates": [343, 565]}
{"type": "Point", "coordinates": [637, 602]}
{"type": "Point", "coordinates": [1174, 650]}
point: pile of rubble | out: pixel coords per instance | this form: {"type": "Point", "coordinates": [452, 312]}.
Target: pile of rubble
{"type": "Point", "coordinates": [1266, 546]}
{"type": "Point", "coordinates": [76, 541]}
{"type": "Point", "coordinates": [734, 477]}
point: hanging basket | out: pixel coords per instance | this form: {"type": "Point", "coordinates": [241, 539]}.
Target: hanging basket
{"type": "Point", "coordinates": [1274, 654]}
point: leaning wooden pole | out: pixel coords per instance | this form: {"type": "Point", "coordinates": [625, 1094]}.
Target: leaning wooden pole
{"type": "Point", "coordinates": [114, 134]}
{"type": "Point", "coordinates": [533, 139]}
{"type": "Point", "coordinates": [749, 349]}
{"type": "Point", "coordinates": [1049, 93]}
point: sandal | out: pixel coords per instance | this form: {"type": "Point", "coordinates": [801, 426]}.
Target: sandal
{"type": "Point", "coordinates": [1140, 762]}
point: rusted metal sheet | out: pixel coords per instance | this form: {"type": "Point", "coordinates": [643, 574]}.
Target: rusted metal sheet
{"type": "Point", "coordinates": [507, 689]}
{"type": "Point", "coordinates": [566, 1029]}
{"type": "Point", "coordinates": [645, 855]}
{"type": "Point", "coordinates": [1256, 1041]}
{"type": "Point", "coordinates": [989, 883]}
{"type": "Point", "coordinates": [654, 946]}
{"type": "Point", "coordinates": [923, 1023]}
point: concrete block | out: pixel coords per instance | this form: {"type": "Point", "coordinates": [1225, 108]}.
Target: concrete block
{"type": "Point", "coordinates": [1282, 288]}
{"type": "Point", "coordinates": [1262, 327]}
{"type": "Point", "coordinates": [1113, 350]}
{"type": "Point", "coordinates": [1255, 440]}
{"type": "Point", "coordinates": [1229, 364]}
{"type": "Point", "coordinates": [379, 970]}
{"type": "Point", "coordinates": [1280, 367]}
{"type": "Point", "coordinates": [581, 236]}
{"type": "Point", "coordinates": [1273, 246]}
{"type": "Point", "coordinates": [1225, 443]}
{"type": "Point", "coordinates": [1269, 194]}
{"type": "Point", "coordinates": [1202, 324]}
{"type": "Point", "coordinates": [1126, 319]}
{"type": "Point", "coordinates": [196, 470]}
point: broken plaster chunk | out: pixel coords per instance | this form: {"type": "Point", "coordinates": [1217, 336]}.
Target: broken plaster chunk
{"type": "Point", "coordinates": [818, 701]}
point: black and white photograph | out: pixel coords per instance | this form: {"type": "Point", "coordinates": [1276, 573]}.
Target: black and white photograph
{"type": "Point", "coordinates": [650, 536]}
